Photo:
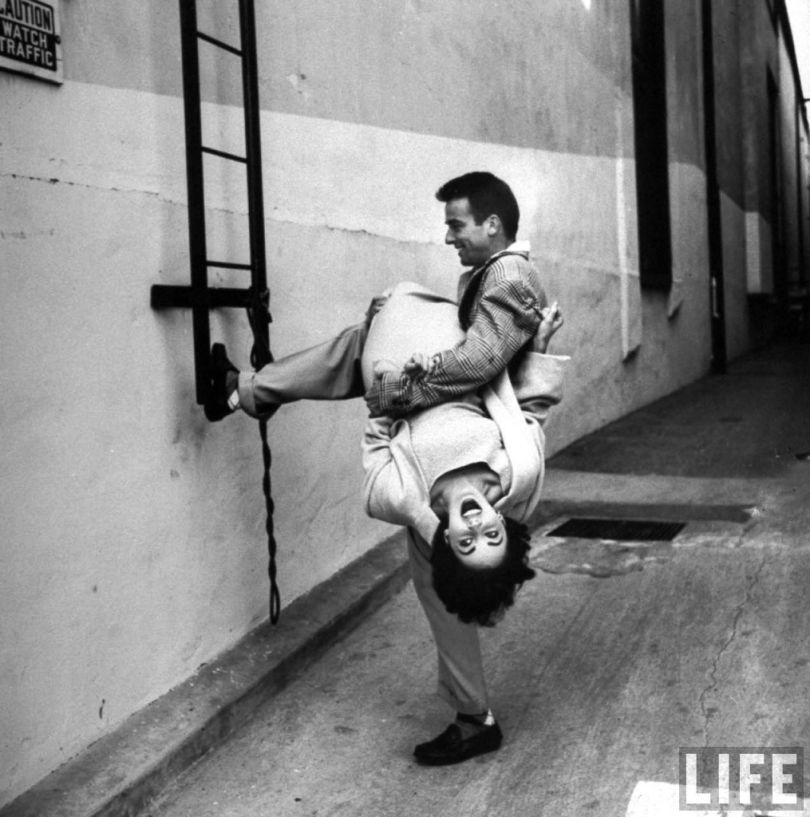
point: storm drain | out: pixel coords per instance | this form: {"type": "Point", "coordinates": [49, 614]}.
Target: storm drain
{"type": "Point", "coordinates": [623, 530]}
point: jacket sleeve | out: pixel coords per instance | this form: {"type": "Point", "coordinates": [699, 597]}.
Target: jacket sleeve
{"type": "Point", "coordinates": [505, 320]}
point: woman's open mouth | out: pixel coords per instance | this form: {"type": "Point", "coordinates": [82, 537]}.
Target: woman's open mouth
{"type": "Point", "coordinates": [470, 506]}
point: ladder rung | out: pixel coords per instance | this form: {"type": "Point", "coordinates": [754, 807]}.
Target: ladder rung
{"type": "Point", "coordinates": [219, 43]}
{"type": "Point", "coordinates": [227, 265]}
{"type": "Point", "coordinates": [223, 154]}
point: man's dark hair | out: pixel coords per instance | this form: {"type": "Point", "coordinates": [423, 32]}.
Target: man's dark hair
{"type": "Point", "coordinates": [481, 595]}
{"type": "Point", "coordinates": [488, 195]}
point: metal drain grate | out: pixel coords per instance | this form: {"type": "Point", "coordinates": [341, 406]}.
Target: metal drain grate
{"type": "Point", "coordinates": [637, 530]}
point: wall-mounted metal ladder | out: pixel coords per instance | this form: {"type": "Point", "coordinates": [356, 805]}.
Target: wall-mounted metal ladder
{"type": "Point", "coordinates": [199, 296]}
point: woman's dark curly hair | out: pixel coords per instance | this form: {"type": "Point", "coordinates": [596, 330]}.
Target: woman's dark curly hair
{"type": "Point", "coordinates": [481, 595]}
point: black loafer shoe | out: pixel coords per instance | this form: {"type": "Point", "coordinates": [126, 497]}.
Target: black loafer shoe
{"type": "Point", "coordinates": [216, 406]}
{"type": "Point", "coordinates": [451, 747]}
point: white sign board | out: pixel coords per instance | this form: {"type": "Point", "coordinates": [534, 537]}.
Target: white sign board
{"type": "Point", "coordinates": [29, 38]}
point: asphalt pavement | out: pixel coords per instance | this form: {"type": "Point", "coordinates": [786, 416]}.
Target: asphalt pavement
{"type": "Point", "coordinates": [621, 652]}
{"type": "Point", "coordinates": [632, 644]}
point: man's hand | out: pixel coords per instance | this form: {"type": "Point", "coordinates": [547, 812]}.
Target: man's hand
{"type": "Point", "coordinates": [550, 322]}
{"type": "Point", "coordinates": [372, 396]}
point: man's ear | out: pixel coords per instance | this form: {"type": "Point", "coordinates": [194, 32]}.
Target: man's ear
{"type": "Point", "coordinates": [494, 225]}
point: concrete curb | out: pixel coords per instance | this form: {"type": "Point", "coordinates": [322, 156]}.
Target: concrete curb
{"type": "Point", "coordinates": [120, 774]}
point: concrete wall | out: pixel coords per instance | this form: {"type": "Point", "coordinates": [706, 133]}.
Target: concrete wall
{"type": "Point", "coordinates": [134, 544]}
{"type": "Point", "coordinates": [757, 60]}
{"type": "Point", "coordinates": [729, 130]}
{"type": "Point", "coordinates": [790, 151]}
{"type": "Point", "coordinates": [772, 193]}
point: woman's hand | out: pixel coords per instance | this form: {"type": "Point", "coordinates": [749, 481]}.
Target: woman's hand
{"type": "Point", "coordinates": [550, 322]}
{"type": "Point", "coordinates": [381, 367]}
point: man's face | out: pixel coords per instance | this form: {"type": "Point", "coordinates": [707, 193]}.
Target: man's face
{"type": "Point", "coordinates": [475, 532]}
{"type": "Point", "coordinates": [474, 242]}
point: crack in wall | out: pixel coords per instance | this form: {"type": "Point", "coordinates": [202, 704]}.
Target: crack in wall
{"type": "Point", "coordinates": [53, 180]}
{"type": "Point", "coordinates": [708, 712]}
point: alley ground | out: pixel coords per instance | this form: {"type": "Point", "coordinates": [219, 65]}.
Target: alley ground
{"type": "Point", "coordinates": [617, 654]}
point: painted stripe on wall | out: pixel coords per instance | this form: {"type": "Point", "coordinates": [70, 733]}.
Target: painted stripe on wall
{"type": "Point", "coordinates": [316, 171]}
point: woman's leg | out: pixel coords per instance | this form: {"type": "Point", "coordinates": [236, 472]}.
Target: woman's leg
{"type": "Point", "coordinates": [461, 672]}
{"type": "Point", "coordinates": [328, 371]}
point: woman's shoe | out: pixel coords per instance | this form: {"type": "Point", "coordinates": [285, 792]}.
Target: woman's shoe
{"type": "Point", "coordinates": [216, 406]}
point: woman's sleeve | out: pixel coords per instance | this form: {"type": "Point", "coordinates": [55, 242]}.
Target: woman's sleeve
{"type": "Point", "coordinates": [386, 491]}
{"type": "Point", "coordinates": [538, 383]}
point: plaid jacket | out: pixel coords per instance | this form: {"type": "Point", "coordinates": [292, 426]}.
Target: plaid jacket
{"type": "Point", "coordinates": [504, 318]}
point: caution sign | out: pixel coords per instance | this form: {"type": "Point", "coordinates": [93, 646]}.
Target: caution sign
{"type": "Point", "coordinates": [29, 38]}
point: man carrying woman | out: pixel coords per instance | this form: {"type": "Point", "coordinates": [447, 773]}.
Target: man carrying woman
{"type": "Point", "coordinates": [455, 458]}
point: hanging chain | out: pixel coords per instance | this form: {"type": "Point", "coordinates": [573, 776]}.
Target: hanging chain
{"type": "Point", "coordinates": [258, 317]}
{"type": "Point", "coordinates": [275, 598]}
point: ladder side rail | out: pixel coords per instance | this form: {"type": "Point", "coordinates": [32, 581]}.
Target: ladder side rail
{"type": "Point", "coordinates": [252, 113]}
{"type": "Point", "coordinates": [196, 196]}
